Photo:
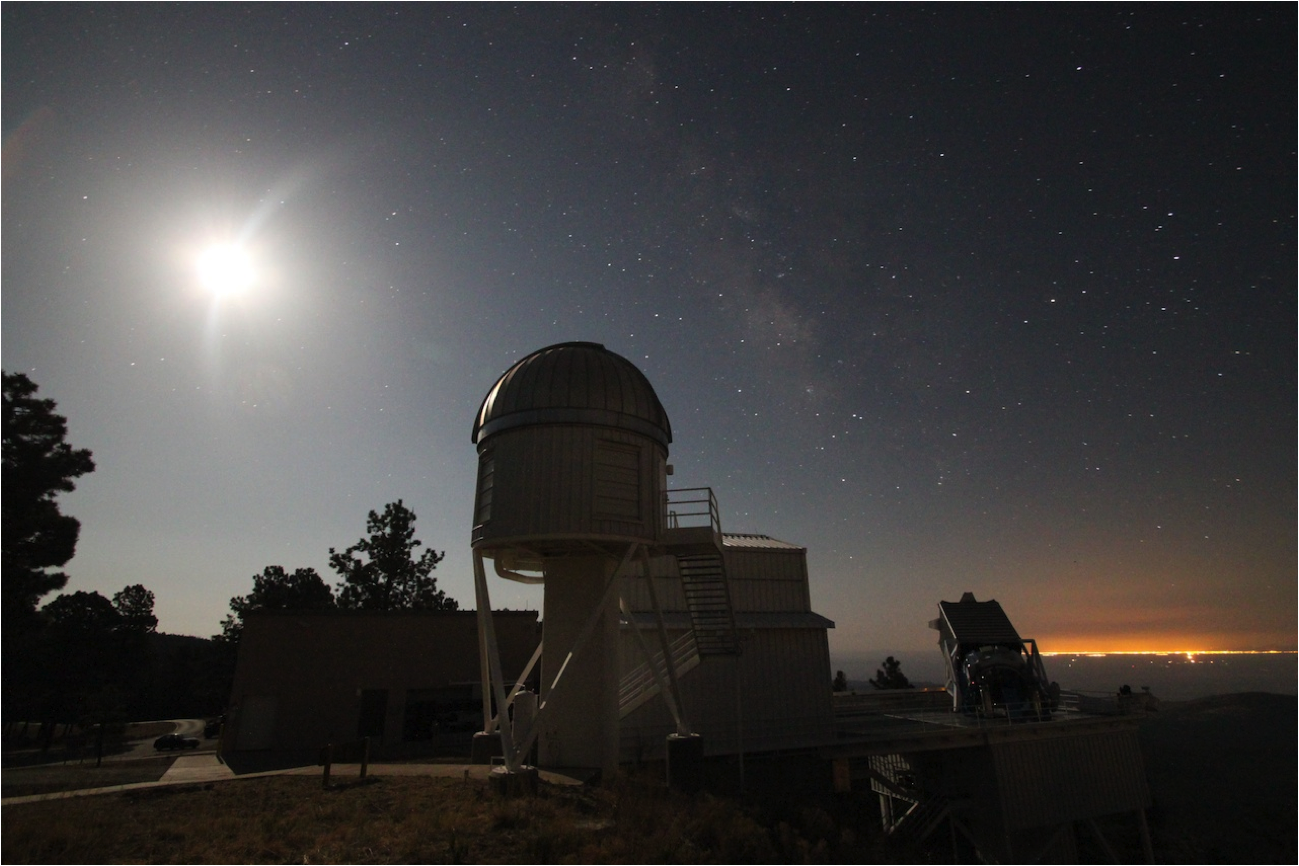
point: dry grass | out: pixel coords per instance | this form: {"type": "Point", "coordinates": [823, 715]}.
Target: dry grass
{"type": "Point", "coordinates": [48, 778]}
{"type": "Point", "coordinates": [420, 820]}
{"type": "Point", "coordinates": [1221, 770]}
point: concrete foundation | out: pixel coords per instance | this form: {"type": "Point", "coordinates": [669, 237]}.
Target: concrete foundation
{"type": "Point", "coordinates": [521, 783]}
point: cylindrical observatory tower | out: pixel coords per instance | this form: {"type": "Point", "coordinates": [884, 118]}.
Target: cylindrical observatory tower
{"type": "Point", "coordinates": [572, 468]}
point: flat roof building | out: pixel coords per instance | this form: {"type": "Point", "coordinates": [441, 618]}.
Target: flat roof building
{"type": "Point", "coordinates": [409, 680]}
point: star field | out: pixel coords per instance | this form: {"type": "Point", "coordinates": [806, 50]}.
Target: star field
{"type": "Point", "coordinates": [997, 299]}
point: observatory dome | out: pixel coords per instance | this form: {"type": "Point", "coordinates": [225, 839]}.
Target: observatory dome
{"type": "Point", "coordinates": [573, 383]}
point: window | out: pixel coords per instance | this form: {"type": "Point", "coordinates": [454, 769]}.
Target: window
{"type": "Point", "coordinates": [431, 712]}
{"type": "Point", "coordinates": [486, 481]}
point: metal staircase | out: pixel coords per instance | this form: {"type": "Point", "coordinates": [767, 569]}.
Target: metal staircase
{"type": "Point", "coordinates": [692, 534]}
{"type": "Point", "coordinates": [922, 819]}
{"type": "Point", "coordinates": [640, 684]}
{"type": "Point", "coordinates": [708, 599]}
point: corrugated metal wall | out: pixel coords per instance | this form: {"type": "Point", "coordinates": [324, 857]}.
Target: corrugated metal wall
{"type": "Point", "coordinates": [543, 482]}
{"type": "Point", "coordinates": [760, 581]}
{"type": "Point", "coordinates": [784, 695]}
{"type": "Point", "coordinates": [768, 580]}
{"type": "Point", "coordinates": [783, 672]}
{"type": "Point", "coordinates": [667, 586]}
{"type": "Point", "coordinates": [1059, 779]}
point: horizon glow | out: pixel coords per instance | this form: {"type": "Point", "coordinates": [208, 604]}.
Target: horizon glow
{"type": "Point", "coordinates": [1187, 653]}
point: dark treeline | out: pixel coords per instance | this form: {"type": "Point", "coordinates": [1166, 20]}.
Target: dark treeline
{"type": "Point", "coordinates": [81, 659]}
{"type": "Point", "coordinates": [86, 660]}
{"type": "Point", "coordinates": [87, 665]}
{"type": "Point", "coordinates": [387, 575]}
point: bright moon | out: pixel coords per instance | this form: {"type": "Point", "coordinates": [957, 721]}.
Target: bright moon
{"type": "Point", "coordinates": [225, 269]}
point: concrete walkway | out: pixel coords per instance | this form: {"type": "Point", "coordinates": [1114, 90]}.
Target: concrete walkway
{"type": "Point", "coordinates": [203, 769]}
{"type": "Point", "coordinates": [196, 768]}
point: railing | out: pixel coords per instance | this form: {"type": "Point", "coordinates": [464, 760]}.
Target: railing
{"type": "Point", "coordinates": [755, 734]}
{"type": "Point", "coordinates": [929, 711]}
{"type": "Point", "coordinates": [1109, 703]}
{"type": "Point", "coordinates": [642, 681]}
{"type": "Point", "coordinates": [691, 507]}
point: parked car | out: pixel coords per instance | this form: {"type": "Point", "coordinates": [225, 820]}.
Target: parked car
{"type": "Point", "coordinates": [175, 741]}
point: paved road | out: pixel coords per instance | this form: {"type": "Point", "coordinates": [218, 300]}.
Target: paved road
{"type": "Point", "coordinates": [189, 727]}
{"type": "Point", "coordinates": [185, 727]}
{"type": "Point", "coordinates": [143, 748]}
{"type": "Point", "coordinates": [134, 750]}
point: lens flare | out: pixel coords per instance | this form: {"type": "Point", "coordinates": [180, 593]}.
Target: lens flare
{"type": "Point", "coordinates": [225, 269]}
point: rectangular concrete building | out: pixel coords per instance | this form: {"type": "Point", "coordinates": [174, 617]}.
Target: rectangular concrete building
{"type": "Point", "coordinates": [409, 680]}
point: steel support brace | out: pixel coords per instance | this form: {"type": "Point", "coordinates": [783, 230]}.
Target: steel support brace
{"type": "Point", "coordinates": [654, 669]}
{"type": "Point", "coordinates": [484, 667]}
{"type": "Point", "coordinates": [683, 724]}
{"type": "Point", "coordinates": [578, 644]}
{"type": "Point", "coordinates": [527, 672]}
{"type": "Point", "coordinates": [487, 627]}
{"type": "Point", "coordinates": [1065, 829]}
{"type": "Point", "coordinates": [523, 678]}
{"type": "Point", "coordinates": [1104, 843]}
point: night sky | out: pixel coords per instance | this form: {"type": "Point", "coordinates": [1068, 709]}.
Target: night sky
{"type": "Point", "coordinates": [999, 299]}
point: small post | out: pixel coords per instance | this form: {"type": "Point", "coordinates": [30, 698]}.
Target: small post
{"type": "Point", "coordinates": [739, 720]}
{"type": "Point", "coordinates": [329, 759]}
{"type": "Point", "coordinates": [842, 773]}
{"type": "Point", "coordinates": [365, 755]}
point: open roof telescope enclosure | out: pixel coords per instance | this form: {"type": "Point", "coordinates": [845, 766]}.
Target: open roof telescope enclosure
{"type": "Point", "coordinates": [990, 668]}
{"type": "Point", "coordinates": [572, 493]}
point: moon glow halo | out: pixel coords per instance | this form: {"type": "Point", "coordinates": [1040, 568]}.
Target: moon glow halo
{"type": "Point", "coordinates": [225, 269]}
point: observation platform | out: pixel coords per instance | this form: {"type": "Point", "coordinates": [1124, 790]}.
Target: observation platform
{"type": "Point", "coordinates": [908, 722]}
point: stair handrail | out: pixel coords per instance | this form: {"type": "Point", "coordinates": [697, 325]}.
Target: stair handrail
{"type": "Point", "coordinates": [691, 503]}
{"type": "Point", "coordinates": [642, 678]}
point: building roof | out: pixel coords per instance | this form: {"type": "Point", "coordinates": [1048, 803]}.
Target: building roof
{"type": "Point", "coordinates": [743, 619]}
{"type": "Point", "coordinates": [978, 622]}
{"type": "Point", "coordinates": [756, 542]}
{"type": "Point", "coordinates": [573, 383]}
{"type": "Point", "coordinates": [348, 613]}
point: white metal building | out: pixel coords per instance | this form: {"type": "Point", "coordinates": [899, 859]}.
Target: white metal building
{"type": "Point", "coordinates": [773, 695]}
{"type": "Point", "coordinates": [572, 493]}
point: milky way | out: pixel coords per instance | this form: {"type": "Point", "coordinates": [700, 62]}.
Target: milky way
{"type": "Point", "coordinates": [997, 299]}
